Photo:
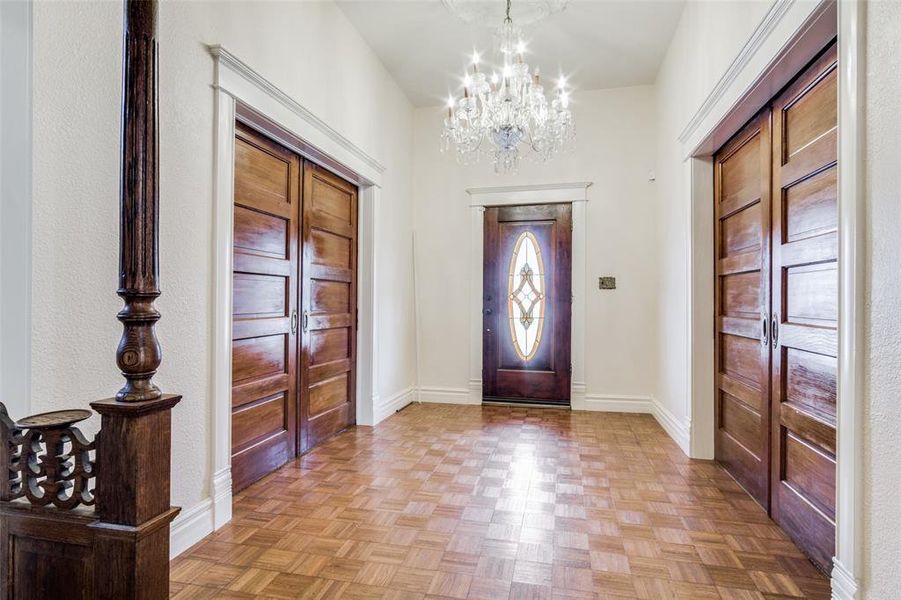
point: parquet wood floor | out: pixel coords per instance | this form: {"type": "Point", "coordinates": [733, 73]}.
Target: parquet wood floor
{"type": "Point", "coordinates": [444, 501]}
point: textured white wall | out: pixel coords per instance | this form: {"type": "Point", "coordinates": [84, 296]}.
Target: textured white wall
{"type": "Point", "coordinates": [882, 440]}
{"type": "Point", "coordinates": [613, 149]}
{"type": "Point", "coordinates": [307, 49]}
{"type": "Point", "coordinates": [709, 36]}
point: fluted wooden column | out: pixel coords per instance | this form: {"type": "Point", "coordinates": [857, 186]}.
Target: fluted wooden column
{"type": "Point", "coordinates": [133, 448]}
{"type": "Point", "coordinates": [138, 355]}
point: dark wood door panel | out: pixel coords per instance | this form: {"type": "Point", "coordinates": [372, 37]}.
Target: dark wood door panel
{"type": "Point", "coordinates": [805, 309]}
{"type": "Point", "coordinates": [742, 214]}
{"type": "Point", "coordinates": [527, 303]}
{"type": "Point", "coordinates": [264, 304]}
{"type": "Point", "coordinates": [328, 297]}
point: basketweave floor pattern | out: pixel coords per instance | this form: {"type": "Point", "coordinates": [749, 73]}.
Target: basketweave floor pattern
{"type": "Point", "coordinates": [444, 501]}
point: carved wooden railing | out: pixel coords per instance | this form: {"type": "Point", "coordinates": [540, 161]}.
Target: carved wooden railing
{"type": "Point", "coordinates": [86, 518]}
{"type": "Point", "coordinates": [47, 460]}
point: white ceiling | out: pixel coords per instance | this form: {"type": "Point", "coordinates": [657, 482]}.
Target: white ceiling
{"type": "Point", "coordinates": [596, 43]}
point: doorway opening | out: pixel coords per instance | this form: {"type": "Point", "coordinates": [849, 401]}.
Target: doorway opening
{"type": "Point", "coordinates": [293, 305]}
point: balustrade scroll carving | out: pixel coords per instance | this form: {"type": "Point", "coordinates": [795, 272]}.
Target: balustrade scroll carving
{"type": "Point", "coordinates": [10, 457]}
{"type": "Point", "coordinates": [47, 461]}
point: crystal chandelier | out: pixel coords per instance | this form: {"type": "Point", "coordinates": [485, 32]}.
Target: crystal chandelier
{"type": "Point", "coordinates": [500, 114]}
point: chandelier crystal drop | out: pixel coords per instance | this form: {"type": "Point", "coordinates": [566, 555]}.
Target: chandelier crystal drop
{"type": "Point", "coordinates": [507, 114]}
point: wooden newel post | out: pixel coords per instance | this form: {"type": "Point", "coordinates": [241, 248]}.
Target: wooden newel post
{"type": "Point", "coordinates": [89, 519]}
{"type": "Point", "coordinates": [133, 447]}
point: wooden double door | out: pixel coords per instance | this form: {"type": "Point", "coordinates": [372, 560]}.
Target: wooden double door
{"type": "Point", "coordinates": [776, 217]}
{"type": "Point", "coordinates": [294, 306]}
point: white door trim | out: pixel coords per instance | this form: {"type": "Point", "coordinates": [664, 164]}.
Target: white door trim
{"type": "Point", "coordinates": [478, 198]}
{"type": "Point", "coordinates": [848, 562]}
{"type": "Point", "coordinates": [235, 81]}
{"type": "Point", "coordinates": [16, 206]}
{"type": "Point", "coordinates": [782, 44]}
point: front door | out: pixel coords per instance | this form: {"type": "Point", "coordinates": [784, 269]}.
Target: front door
{"type": "Point", "coordinates": [527, 303]}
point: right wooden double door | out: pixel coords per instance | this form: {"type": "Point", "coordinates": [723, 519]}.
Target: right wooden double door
{"type": "Point", "coordinates": [293, 306]}
{"type": "Point", "coordinates": [776, 220]}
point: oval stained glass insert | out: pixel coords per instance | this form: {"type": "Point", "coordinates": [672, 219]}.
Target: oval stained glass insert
{"type": "Point", "coordinates": [526, 296]}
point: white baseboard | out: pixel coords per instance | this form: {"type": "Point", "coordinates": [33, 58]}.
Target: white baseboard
{"type": "Point", "coordinates": [844, 585]}
{"type": "Point", "coordinates": [577, 392]}
{"type": "Point", "coordinates": [609, 403]}
{"type": "Point", "coordinates": [475, 391]}
{"type": "Point", "coordinates": [679, 430]}
{"type": "Point", "coordinates": [191, 526]}
{"type": "Point", "coordinates": [222, 497]}
{"type": "Point", "coordinates": [443, 395]}
{"type": "Point", "coordinates": [393, 404]}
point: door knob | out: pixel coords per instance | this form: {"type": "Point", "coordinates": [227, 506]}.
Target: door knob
{"type": "Point", "coordinates": [487, 311]}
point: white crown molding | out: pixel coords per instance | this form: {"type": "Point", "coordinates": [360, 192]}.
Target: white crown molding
{"type": "Point", "coordinates": [761, 33]}
{"type": "Point", "coordinates": [229, 63]}
{"type": "Point", "coordinates": [543, 193]}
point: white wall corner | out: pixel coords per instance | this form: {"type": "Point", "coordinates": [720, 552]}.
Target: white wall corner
{"type": "Point", "coordinates": [844, 586]}
{"type": "Point", "coordinates": [383, 410]}
{"type": "Point", "coordinates": [577, 395]}
{"type": "Point", "coordinates": [617, 403]}
{"type": "Point", "coordinates": [678, 429]}
{"type": "Point", "coordinates": [191, 526]}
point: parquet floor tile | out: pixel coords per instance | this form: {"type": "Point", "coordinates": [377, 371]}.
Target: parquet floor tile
{"type": "Point", "coordinates": [467, 502]}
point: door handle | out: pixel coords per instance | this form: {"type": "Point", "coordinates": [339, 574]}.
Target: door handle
{"type": "Point", "coordinates": [306, 321]}
{"type": "Point", "coordinates": [763, 324]}
{"type": "Point", "coordinates": [487, 311]}
{"type": "Point", "coordinates": [774, 330]}
{"type": "Point", "coordinates": [293, 322]}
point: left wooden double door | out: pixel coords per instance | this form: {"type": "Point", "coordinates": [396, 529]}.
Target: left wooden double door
{"type": "Point", "coordinates": [293, 306]}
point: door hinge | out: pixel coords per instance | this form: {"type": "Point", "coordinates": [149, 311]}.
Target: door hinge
{"type": "Point", "coordinates": [570, 368]}
{"type": "Point", "coordinates": [357, 319]}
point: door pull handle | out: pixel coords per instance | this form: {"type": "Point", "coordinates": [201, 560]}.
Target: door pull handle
{"type": "Point", "coordinates": [774, 330]}
{"type": "Point", "coordinates": [293, 322]}
{"type": "Point", "coordinates": [306, 321]}
{"type": "Point", "coordinates": [764, 341]}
